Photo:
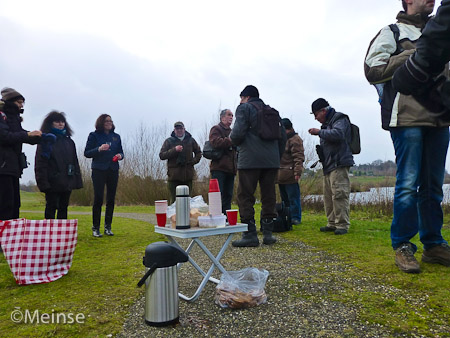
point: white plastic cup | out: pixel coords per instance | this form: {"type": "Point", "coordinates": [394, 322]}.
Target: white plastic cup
{"type": "Point", "coordinates": [161, 207]}
{"type": "Point", "coordinates": [215, 203]}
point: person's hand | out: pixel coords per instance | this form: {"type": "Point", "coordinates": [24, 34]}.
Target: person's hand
{"type": "Point", "coordinates": [297, 177]}
{"type": "Point", "coordinates": [314, 131]}
{"type": "Point", "coordinates": [179, 148]}
{"type": "Point", "coordinates": [119, 157]}
{"type": "Point", "coordinates": [103, 147]}
{"type": "Point", "coordinates": [35, 133]}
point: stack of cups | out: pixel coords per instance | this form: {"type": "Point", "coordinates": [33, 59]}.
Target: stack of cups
{"type": "Point", "coordinates": [214, 198]}
{"type": "Point", "coordinates": [161, 212]}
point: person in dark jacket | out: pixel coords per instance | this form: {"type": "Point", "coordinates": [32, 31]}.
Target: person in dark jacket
{"type": "Point", "coordinates": [12, 160]}
{"type": "Point", "coordinates": [258, 162]}
{"type": "Point", "coordinates": [224, 169]}
{"type": "Point", "coordinates": [181, 152]}
{"type": "Point", "coordinates": [56, 166]}
{"type": "Point", "coordinates": [290, 172]}
{"type": "Point", "coordinates": [419, 75]}
{"type": "Point", "coordinates": [336, 158]}
{"type": "Point", "coordinates": [105, 148]}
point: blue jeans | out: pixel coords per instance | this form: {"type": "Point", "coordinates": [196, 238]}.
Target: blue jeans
{"type": "Point", "coordinates": [290, 194]}
{"type": "Point", "coordinates": [420, 156]}
{"type": "Point", "coordinates": [226, 186]}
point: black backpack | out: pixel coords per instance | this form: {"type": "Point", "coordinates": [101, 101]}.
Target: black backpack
{"type": "Point", "coordinates": [268, 122]}
{"type": "Point", "coordinates": [283, 221]}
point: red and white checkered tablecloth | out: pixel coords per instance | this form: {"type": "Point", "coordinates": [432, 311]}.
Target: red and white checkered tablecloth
{"type": "Point", "coordinates": [38, 251]}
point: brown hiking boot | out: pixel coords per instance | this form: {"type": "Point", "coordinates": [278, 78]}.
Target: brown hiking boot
{"type": "Point", "coordinates": [437, 254]}
{"type": "Point", "coordinates": [405, 260]}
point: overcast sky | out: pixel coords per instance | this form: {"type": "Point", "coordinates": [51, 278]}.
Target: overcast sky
{"type": "Point", "coordinates": [157, 62]}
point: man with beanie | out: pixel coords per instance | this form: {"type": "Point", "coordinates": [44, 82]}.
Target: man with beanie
{"type": "Point", "coordinates": [419, 135]}
{"type": "Point", "coordinates": [336, 158]}
{"type": "Point", "coordinates": [12, 160]}
{"type": "Point", "coordinates": [258, 162]}
{"type": "Point", "coordinates": [181, 152]}
{"type": "Point", "coordinates": [291, 168]}
{"type": "Point", "coordinates": [224, 168]}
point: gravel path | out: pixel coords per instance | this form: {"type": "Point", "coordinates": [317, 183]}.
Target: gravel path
{"type": "Point", "coordinates": [300, 286]}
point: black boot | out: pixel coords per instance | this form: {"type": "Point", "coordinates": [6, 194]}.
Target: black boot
{"type": "Point", "coordinates": [249, 238]}
{"type": "Point", "coordinates": [108, 231]}
{"type": "Point", "coordinates": [96, 231]}
{"type": "Point", "coordinates": [267, 226]}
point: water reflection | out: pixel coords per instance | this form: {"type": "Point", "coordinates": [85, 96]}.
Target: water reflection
{"type": "Point", "coordinates": [376, 195]}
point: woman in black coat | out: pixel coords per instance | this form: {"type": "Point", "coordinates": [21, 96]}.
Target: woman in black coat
{"type": "Point", "coordinates": [56, 166]}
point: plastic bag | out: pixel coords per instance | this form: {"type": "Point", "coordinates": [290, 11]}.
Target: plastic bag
{"type": "Point", "coordinates": [195, 202]}
{"type": "Point", "coordinates": [242, 289]}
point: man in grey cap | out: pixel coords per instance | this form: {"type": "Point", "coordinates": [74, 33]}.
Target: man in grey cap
{"type": "Point", "coordinates": [181, 152]}
{"type": "Point", "coordinates": [336, 157]}
{"type": "Point", "coordinates": [258, 162]}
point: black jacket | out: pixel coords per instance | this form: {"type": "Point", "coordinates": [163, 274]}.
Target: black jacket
{"type": "Point", "coordinates": [12, 136]}
{"type": "Point", "coordinates": [433, 47]}
{"type": "Point", "coordinates": [335, 136]}
{"type": "Point", "coordinates": [254, 152]}
{"type": "Point", "coordinates": [52, 175]}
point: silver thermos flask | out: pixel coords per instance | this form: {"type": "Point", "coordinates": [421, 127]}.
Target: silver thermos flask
{"type": "Point", "coordinates": [182, 207]}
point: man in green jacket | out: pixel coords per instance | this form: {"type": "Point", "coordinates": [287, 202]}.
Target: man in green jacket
{"type": "Point", "coordinates": [181, 152]}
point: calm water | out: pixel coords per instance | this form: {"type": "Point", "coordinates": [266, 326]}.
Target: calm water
{"type": "Point", "coordinates": [379, 195]}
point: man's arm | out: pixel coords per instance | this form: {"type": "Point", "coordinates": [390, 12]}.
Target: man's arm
{"type": "Point", "coordinates": [337, 132]}
{"type": "Point", "coordinates": [298, 154]}
{"type": "Point", "coordinates": [167, 152]}
{"type": "Point", "coordinates": [433, 47]}
{"type": "Point", "coordinates": [217, 140]}
{"type": "Point", "coordinates": [241, 125]}
{"type": "Point", "coordinates": [197, 151]}
{"type": "Point", "coordinates": [433, 52]}
{"type": "Point", "coordinates": [380, 63]}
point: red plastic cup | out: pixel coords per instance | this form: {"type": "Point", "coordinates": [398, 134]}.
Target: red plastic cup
{"type": "Point", "coordinates": [214, 185]}
{"type": "Point", "coordinates": [232, 216]}
{"type": "Point", "coordinates": [115, 158]}
{"type": "Point", "coordinates": [161, 212]}
{"type": "Point", "coordinates": [161, 219]}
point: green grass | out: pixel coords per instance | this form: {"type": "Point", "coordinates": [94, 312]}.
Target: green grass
{"type": "Point", "coordinates": [101, 284]}
{"type": "Point", "coordinates": [102, 281]}
{"type": "Point", "coordinates": [35, 201]}
{"type": "Point", "coordinates": [367, 248]}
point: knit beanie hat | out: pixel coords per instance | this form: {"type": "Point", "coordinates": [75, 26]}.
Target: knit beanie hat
{"type": "Point", "coordinates": [287, 124]}
{"type": "Point", "coordinates": [251, 91]}
{"type": "Point", "coordinates": [9, 94]}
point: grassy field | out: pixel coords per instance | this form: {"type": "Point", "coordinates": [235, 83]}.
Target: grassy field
{"type": "Point", "coordinates": [102, 281]}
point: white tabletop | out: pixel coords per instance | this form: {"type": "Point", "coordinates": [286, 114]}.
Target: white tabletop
{"type": "Point", "coordinates": [200, 232]}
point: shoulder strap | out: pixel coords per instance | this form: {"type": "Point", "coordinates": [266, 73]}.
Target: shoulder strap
{"type": "Point", "coordinates": [396, 31]}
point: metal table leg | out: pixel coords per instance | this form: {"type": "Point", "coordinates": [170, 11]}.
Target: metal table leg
{"type": "Point", "coordinates": [215, 263]}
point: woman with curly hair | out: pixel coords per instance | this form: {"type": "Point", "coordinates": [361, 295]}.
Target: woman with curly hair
{"type": "Point", "coordinates": [56, 166]}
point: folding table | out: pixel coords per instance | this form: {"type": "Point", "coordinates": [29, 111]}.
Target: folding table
{"type": "Point", "coordinates": [195, 234]}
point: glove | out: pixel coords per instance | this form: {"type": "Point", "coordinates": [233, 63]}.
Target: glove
{"type": "Point", "coordinates": [48, 138]}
